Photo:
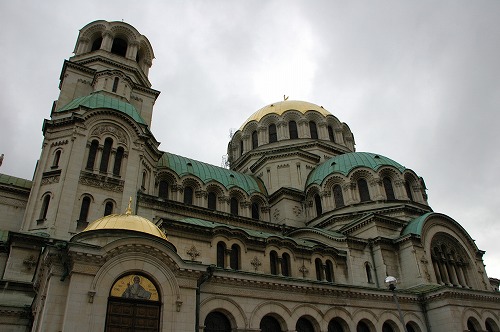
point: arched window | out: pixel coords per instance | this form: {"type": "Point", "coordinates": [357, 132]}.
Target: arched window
{"type": "Point", "coordinates": [313, 129]}
{"type": "Point", "coordinates": [490, 325]}
{"type": "Point", "coordinates": [163, 189]}
{"type": "Point", "coordinates": [273, 136]}
{"type": "Point", "coordinates": [273, 259]}
{"type": "Point", "coordinates": [410, 328]}
{"type": "Point", "coordinates": [234, 206]}
{"type": "Point", "coordinates": [108, 208]}
{"type": "Point", "coordinates": [364, 194]}
{"type": "Point", "coordinates": [338, 197]}
{"type": "Point", "coordinates": [92, 154]}
{"type": "Point", "coordinates": [221, 254]}
{"type": "Point", "coordinates": [389, 190]}
{"type": "Point", "coordinates": [368, 271]}
{"type": "Point", "coordinates": [118, 161]}
{"type": "Point", "coordinates": [188, 195]}
{"type": "Point", "coordinates": [319, 269]}
{"type": "Point", "coordinates": [119, 47]}
{"type": "Point", "coordinates": [269, 324]}
{"type": "Point", "coordinates": [362, 327]}
{"type": "Point", "coordinates": [449, 260]}
{"type": "Point", "coordinates": [329, 271]}
{"type": "Point", "coordinates": [84, 210]}
{"type": "Point", "coordinates": [473, 325]}
{"type": "Point", "coordinates": [292, 130]}
{"type": "Point", "coordinates": [255, 210]}
{"type": "Point", "coordinates": [241, 148]}
{"type": "Point", "coordinates": [408, 190]}
{"type": "Point", "coordinates": [96, 45]}
{"type": "Point", "coordinates": [57, 156]}
{"type": "Point", "coordinates": [317, 203]}
{"type": "Point", "coordinates": [235, 257]}
{"type": "Point", "coordinates": [144, 180]}
{"type": "Point", "coordinates": [133, 305]}
{"type": "Point", "coordinates": [44, 209]}
{"type": "Point", "coordinates": [304, 325]}
{"type": "Point", "coordinates": [217, 322]}
{"type": "Point", "coordinates": [335, 325]}
{"type": "Point", "coordinates": [255, 140]}
{"type": "Point", "coordinates": [212, 201]}
{"type": "Point", "coordinates": [285, 265]}
{"type": "Point", "coordinates": [106, 152]}
{"type": "Point", "coordinates": [386, 327]}
{"type": "Point", "coordinates": [331, 136]}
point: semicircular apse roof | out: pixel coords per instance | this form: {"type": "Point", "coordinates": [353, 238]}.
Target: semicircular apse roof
{"type": "Point", "coordinates": [99, 100]}
{"type": "Point", "coordinates": [183, 166]}
{"type": "Point", "coordinates": [346, 162]}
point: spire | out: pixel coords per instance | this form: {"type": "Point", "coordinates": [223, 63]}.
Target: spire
{"type": "Point", "coordinates": [129, 208]}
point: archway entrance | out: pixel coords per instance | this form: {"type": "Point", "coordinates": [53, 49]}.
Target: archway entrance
{"type": "Point", "coordinates": [133, 305]}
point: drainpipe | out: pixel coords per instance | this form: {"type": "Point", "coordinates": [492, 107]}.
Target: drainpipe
{"type": "Point", "coordinates": [370, 244]}
{"type": "Point", "coordinates": [203, 278]}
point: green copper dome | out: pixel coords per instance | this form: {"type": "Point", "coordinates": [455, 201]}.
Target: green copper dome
{"type": "Point", "coordinates": [99, 100]}
{"type": "Point", "coordinates": [345, 163]}
{"type": "Point", "coordinates": [205, 172]}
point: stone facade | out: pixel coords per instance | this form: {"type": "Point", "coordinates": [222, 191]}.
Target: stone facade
{"type": "Point", "coordinates": [299, 233]}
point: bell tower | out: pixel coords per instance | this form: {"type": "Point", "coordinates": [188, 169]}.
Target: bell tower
{"type": "Point", "coordinates": [98, 150]}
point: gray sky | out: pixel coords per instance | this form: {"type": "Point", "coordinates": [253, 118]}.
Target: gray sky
{"type": "Point", "coordinates": [416, 81]}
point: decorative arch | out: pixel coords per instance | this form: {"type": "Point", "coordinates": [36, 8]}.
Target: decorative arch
{"type": "Point", "coordinates": [226, 305]}
{"type": "Point", "coordinates": [273, 308]}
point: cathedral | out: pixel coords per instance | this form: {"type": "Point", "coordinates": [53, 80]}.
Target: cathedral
{"type": "Point", "coordinates": [298, 233]}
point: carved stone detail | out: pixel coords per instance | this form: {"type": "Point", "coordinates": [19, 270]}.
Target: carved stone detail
{"type": "Point", "coordinates": [110, 129]}
{"type": "Point", "coordinates": [193, 253]}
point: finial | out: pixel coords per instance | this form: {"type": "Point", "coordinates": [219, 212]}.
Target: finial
{"type": "Point", "coordinates": [285, 97]}
{"type": "Point", "coordinates": [129, 208]}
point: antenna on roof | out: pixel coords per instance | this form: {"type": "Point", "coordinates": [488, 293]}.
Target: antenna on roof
{"type": "Point", "coordinates": [285, 97]}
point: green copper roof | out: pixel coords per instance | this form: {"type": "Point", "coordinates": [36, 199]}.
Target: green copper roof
{"type": "Point", "coordinates": [415, 226]}
{"type": "Point", "coordinates": [99, 100]}
{"type": "Point", "coordinates": [205, 172]}
{"type": "Point", "coordinates": [17, 182]}
{"type": "Point", "coordinates": [345, 163]}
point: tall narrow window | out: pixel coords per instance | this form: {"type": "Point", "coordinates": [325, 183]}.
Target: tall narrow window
{"type": "Point", "coordinates": [368, 271]}
{"type": "Point", "coordinates": [106, 152]}
{"type": "Point", "coordinates": [273, 260]}
{"type": "Point", "coordinates": [364, 194]}
{"type": "Point", "coordinates": [84, 210]}
{"type": "Point", "coordinates": [408, 190]}
{"type": "Point", "coordinates": [221, 254]}
{"type": "Point", "coordinates": [163, 189]}
{"type": "Point", "coordinates": [241, 148]}
{"type": "Point", "coordinates": [338, 197]}
{"type": "Point", "coordinates": [331, 136]}
{"type": "Point", "coordinates": [313, 129]}
{"type": "Point", "coordinates": [292, 130]}
{"type": "Point", "coordinates": [108, 208]}
{"type": "Point", "coordinates": [329, 271]}
{"type": "Point", "coordinates": [118, 161]}
{"type": "Point", "coordinates": [317, 203]}
{"type": "Point", "coordinates": [92, 154]}
{"type": "Point", "coordinates": [255, 140]}
{"type": "Point", "coordinates": [234, 206]}
{"type": "Point", "coordinates": [319, 269]}
{"type": "Point", "coordinates": [389, 190]}
{"type": "Point", "coordinates": [44, 209]}
{"type": "Point", "coordinates": [188, 195]}
{"type": "Point", "coordinates": [235, 257]}
{"type": "Point", "coordinates": [57, 156]}
{"type": "Point", "coordinates": [115, 84]}
{"type": "Point", "coordinates": [96, 45]}
{"type": "Point", "coordinates": [285, 265]}
{"type": "Point", "coordinates": [273, 136]}
{"type": "Point", "coordinates": [255, 210]}
{"type": "Point", "coordinates": [212, 201]}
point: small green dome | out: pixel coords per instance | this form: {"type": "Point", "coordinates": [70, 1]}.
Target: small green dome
{"type": "Point", "coordinates": [345, 163]}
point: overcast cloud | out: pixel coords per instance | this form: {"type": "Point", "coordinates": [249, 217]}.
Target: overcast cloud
{"type": "Point", "coordinates": [416, 81]}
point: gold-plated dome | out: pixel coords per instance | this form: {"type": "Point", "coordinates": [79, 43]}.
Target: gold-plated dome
{"type": "Point", "coordinates": [126, 221]}
{"type": "Point", "coordinates": [287, 105]}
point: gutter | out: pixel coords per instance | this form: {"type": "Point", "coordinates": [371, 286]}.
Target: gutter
{"type": "Point", "coordinates": [203, 278]}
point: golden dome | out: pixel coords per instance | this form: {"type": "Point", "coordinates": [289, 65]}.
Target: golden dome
{"type": "Point", "coordinates": [126, 221]}
{"type": "Point", "coordinates": [282, 106]}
